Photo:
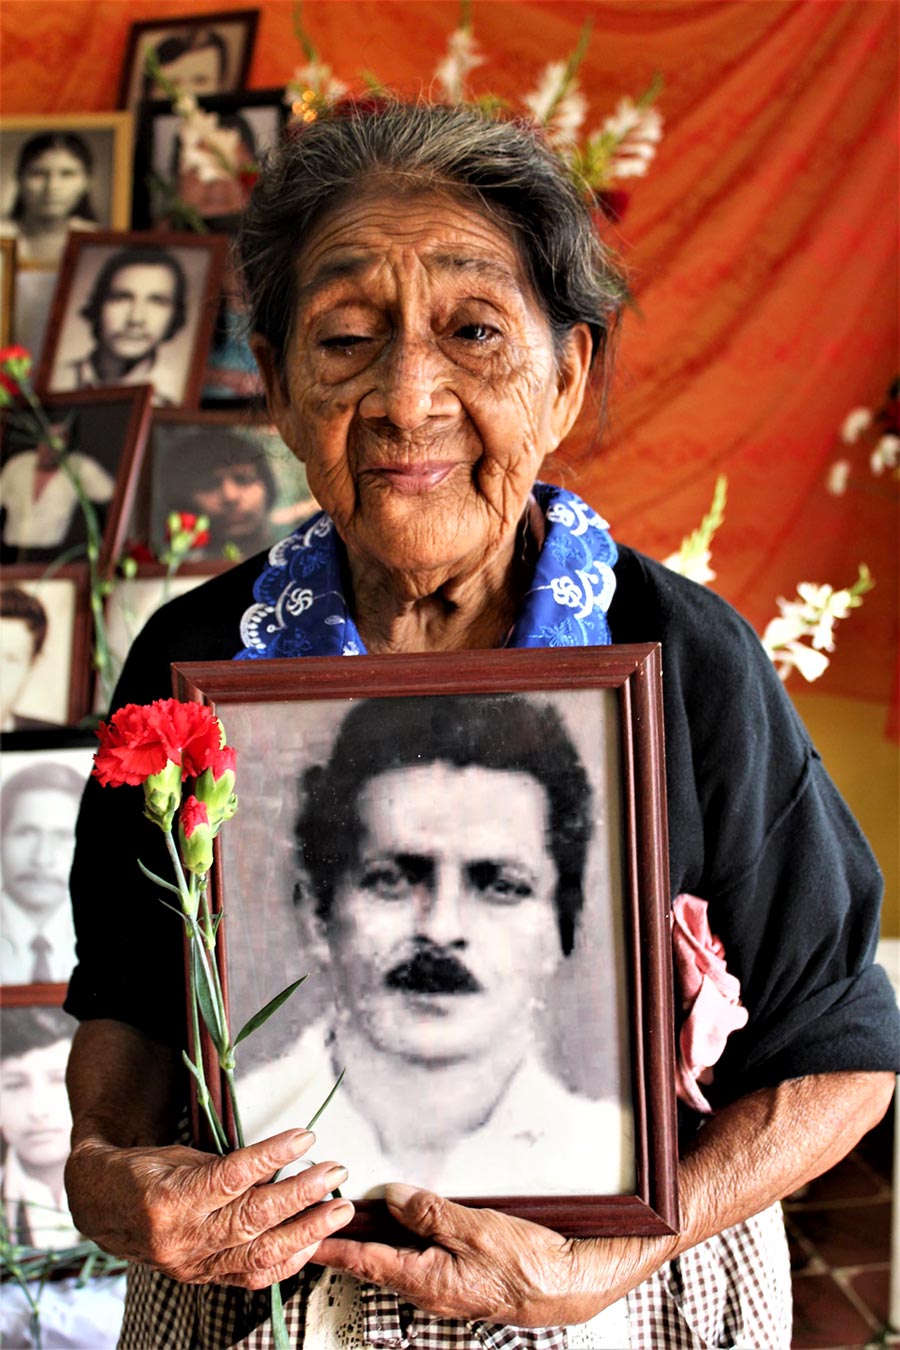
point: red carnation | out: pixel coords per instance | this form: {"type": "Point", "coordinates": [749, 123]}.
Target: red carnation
{"type": "Point", "coordinates": [193, 813]}
{"type": "Point", "coordinates": [140, 740]}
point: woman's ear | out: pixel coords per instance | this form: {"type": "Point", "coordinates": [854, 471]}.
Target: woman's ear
{"type": "Point", "coordinates": [277, 400]}
{"type": "Point", "coordinates": [573, 367]}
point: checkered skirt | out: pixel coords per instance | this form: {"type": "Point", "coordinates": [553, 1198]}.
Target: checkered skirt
{"type": "Point", "coordinates": [732, 1291]}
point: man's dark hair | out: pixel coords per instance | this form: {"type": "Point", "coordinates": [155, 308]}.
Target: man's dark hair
{"type": "Point", "coordinates": [502, 168]}
{"type": "Point", "coordinates": [194, 455]}
{"type": "Point", "coordinates": [32, 1028]}
{"type": "Point", "coordinates": [136, 257]}
{"type": "Point", "coordinates": [18, 604]}
{"type": "Point", "coordinates": [509, 733]}
{"type": "Point", "coordinates": [36, 146]}
{"type": "Point", "coordinates": [195, 40]}
{"type": "Point", "coordinates": [52, 777]}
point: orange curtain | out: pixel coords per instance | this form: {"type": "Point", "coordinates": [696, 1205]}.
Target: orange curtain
{"type": "Point", "coordinates": [762, 248]}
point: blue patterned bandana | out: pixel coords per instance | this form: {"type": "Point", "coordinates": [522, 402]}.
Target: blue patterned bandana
{"type": "Point", "coordinates": [301, 609]}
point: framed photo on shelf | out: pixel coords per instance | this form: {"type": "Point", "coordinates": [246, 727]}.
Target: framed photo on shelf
{"type": "Point", "coordinates": [45, 623]}
{"type": "Point", "coordinates": [201, 53]}
{"type": "Point", "coordinates": [134, 308]}
{"type": "Point", "coordinates": [69, 170]}
{"type": "Point", "coordinates": [253, 118]}
{"type": "Point", "coordinates": [42, 777]}
{"type": "Point", "coordinates": [105, 433]}
{"type": "Point", "coordinates": [468, 855]}
{"type": "Point", "coordinates": [233, 468]}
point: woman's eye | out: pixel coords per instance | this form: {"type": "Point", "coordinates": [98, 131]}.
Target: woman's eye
{"type": "Point", "coordinates": [343, 342]}
{"type": "Point", "coordinates": [476, 332]}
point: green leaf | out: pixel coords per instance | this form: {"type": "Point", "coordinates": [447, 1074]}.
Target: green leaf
{"type": "Point", "coordinates": [206, 999]}
{"type": "Point", "coordinates": [151, 876]}
{"type": "Point", "coordinates": [280, 1338]}
{"type": "Point", "coordinates": [265, 1013]}
{"type": "Point", "coordinates": [340, 1079]}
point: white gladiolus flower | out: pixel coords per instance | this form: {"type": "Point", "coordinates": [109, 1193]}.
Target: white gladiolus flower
{"type": "Point", "coordinates": [636, 132]}
{"type": "Point", "coordinates": [540, 101]}
{"type": "Point", "coordinates": [854, 424]}
{"type": "Point", "coordinates": [185, 105]}
{"type": "Point", "coordinates": [794, 656]}
{"type": "Point", "coordinates": [561, 114]}
{"type": "Point", "coordinates": [315, 76]}
{"type": "Point", "coordinates": [886, 454]}
{"type": "Point", "coordinates": [213, 152]}
{"type": "Point", "coordinates": [462, 57]}
{"type": "Point", "coordinates": [811, 616]}
{"type": "Point", "coordinates": [693, 565]}
{"type": "Point", "coordinates": [838, 474]}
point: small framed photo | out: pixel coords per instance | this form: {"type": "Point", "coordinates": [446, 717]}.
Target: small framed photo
{"type": "Point", "coordinates": [35, 1121]}
{"type": "Point", "coordinates": [42, 777]}
{"type": "Point", "coordinates": [254, 119]}
{"type": "Point", "coordinates": [134, 308]}
{"type": "Point", "coordinates": [467, 854]}
{"type": "Point", "coordinates": [104, 433]}
{"type": "Point", "coordinates": [201, 53]}
{"type": "Point", "coordinates": [63, 173]}
{"type": "Point", "coordinates": [45, 632]}
{"type": "Point", "coordinates": [235, 470]}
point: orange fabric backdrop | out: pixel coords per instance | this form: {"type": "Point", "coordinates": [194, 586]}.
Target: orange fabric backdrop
{"type": "Point", "coordinates": [763, 249]}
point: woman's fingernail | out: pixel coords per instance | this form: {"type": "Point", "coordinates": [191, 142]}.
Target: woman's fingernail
{"type": "Point", "coordinates": [340, 1214]}
{"type": "Point", "coordinates": [336, 1177]}
{"type": "Point", "coordinates": [302, 1139]}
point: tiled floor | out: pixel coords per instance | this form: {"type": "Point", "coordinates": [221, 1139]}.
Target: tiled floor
{"type": "Point", "coordinates": [841, 1251]}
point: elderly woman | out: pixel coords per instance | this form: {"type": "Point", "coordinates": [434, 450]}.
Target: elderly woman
{"type": "Point", "coordinates": [428, 302]}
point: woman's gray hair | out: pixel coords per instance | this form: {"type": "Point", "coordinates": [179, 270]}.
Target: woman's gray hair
{"type": "Point", "coordinates": [505, 168]}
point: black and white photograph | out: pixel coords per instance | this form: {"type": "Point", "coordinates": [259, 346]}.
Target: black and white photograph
{"type": "Point", "coordinates": [40, 792]}
{"type": "Point", "coordinates": [7, 289]}
{"type": "Point", "coordinates": [62, 173]}
{"type": "Point", "coordinates": [201, 53]}
{"type": "Point", "coordinates": [251, 121]}
{"type": "Point", "coordinates": [44, 639]}
{"type": "Point", "coordinates": [236, 472]}
{"type": "Point", "coordinates": [134, 308]}
{"type": "Point", "coordinates": [102, 436]}
{"type": "Point", "coordinates": [451, 874]}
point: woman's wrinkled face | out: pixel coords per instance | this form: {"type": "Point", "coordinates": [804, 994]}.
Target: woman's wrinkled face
{"type": "Point", "coordinates": [421, 388]}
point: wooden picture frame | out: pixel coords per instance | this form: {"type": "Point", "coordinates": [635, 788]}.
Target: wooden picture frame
{"type": "Point", "coordinates": [41, 772]}
{"type": "Point", "coordinates": [563, 756]}
{"type": "Point", "coordinates": [134, 307]}
{"type": "Point", "coordinates": [189, 457]}
{"type": "Point", "coordinates": [217, 48]}
{"type": "Point", "coordinates": [56, 689]}
{"type": "Point", "coordinates": [258, 115]}
{"type": "Point", "coordinates": [7, 290]}
{"type": "Point", "coordinates": [98, 152]}
{"type": "Point", "coordinates": [108, 428]}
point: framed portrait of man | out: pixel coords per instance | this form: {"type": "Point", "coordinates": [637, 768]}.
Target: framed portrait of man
{"type": "Point", "coordinates": [467, 857]}
{"type": "Point", "coordinates": [44, 647]}
{"type": "Point", "coordinates": [42, 777]}
{"type": "Point", "coordinates": [62, 173]}
{"type": "Point", "coordinates": [97, 438]}
{"type": "Point", "coordinates": [232, 468]}
{"type": "Point", "coordinates": [201, 53]}
{"type": "Point", "coordinates": [134, 308]}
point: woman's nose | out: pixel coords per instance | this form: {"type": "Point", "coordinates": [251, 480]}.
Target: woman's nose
{"type": "Point", "coordinates": [408, 388]}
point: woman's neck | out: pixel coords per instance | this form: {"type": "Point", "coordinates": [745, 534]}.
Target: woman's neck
{"type": "Point", "coordinates": [418, 612]}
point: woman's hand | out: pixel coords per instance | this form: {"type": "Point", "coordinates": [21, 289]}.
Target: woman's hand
{"type": "Point", "coordinates": [204, 1219]}
{"type": "Point", "coordinates": [486, 1266]}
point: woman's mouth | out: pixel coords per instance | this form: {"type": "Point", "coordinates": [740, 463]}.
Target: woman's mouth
{"type": "Point", "coordinates": [414, 478]}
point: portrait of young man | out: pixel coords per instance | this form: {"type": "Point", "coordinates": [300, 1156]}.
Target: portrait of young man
{"type": "Point", "coordinates": [38, 808]}
{"type": "Point", "coordinates": [134, 313]}
{"type": "Point", "coordinates": [442, 855]}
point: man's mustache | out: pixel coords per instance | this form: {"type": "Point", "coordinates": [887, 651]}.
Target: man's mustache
{"type": "Point", "coordinates": [432, 970]}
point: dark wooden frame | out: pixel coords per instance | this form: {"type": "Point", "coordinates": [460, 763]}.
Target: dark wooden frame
{"type": "Point", "coordinates": [129, 465]}
{"type": "Point", "coordinates": [152, 109]}
{"type": "Point", "coordinates": [634, 672]}
{"type": "Point", "coordinates": [80, 652]}
{"type": "Point", "coordinates": [7, 290]}
{"type": "Point", "coordinates": [249, 18]}
{"type": "Point", "coordinates": [216, 246]}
